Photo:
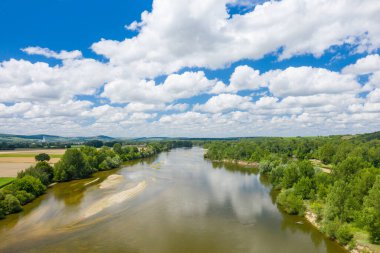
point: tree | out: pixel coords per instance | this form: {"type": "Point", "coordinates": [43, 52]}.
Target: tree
{"type": "Point", "coordinates": [94, 143]}
{"type": "Point", "coordinates": [42, 157]}
{"type": "Point", "coordinates": [337, 200]}
{"type": "Point", "coordinates": [11, 204]}
{"type": "Point", "coordinates": [73, 165]}
{"type": "Point", "coordinates": [372, 204]}
{"type": "Point", "coordinates": [304, 188]}
{"type": "Point", "coordinates": [117, 148]}
{"type": "Point", "coordinates": [290, 202]}
{"type": "Point", "coordinates": [43, 171]}
{"type": "Point", "coordinates": [291, 176]}
{"type": "Point", "coordinates": [29, 184]}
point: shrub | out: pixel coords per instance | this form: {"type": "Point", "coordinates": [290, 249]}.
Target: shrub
{"type": "Point", "coordinates": [290, 202]}
{"type": "Point", "coordinates": [374, 230]}
{"type": "Point", "coordinates": [29, 184]}
{"type": "Point", "coordinates": [11, 204]}
{"type": "Point", "coordinates": [24, 197]}
{"type": "Point", "coordinates": [2, 212]}
{"type": "Point", "coordinates": [43, 171]}
{"type": "Point", "coordinates": [344, 234]}
{"type": "Point", "coordinates": [330, 227]}
{"type": "Point", "coordinates": [265, 167]}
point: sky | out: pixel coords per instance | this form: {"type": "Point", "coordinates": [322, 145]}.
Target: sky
{"type": "Point", "coordinates": [189, 68]}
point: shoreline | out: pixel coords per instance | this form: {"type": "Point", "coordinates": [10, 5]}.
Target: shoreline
{"type": "Point", "coordinates": [309, 216]}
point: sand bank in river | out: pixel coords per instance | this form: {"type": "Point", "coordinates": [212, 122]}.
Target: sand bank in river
{"type": "Point", "coordinates": [117, 198]}
{"type": "Point", "coordinates": [111, 181]}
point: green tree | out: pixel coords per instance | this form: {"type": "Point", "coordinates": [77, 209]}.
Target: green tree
{"type": "Point", "coordinates": [290, 202]}
{"type": "Point", "coordinates": [11, 204]}
{"type": "Point", "coordinates": [337, 200]}
{"type": "Point", "coordinates": [304, 188]}
{"type": "Point", "coordinates": [42, 157]}
{"type": "Point", "coordinates": [29, 184]}
{"type": "Point", "coordinates": [372, 204]}
{"type": "Point", "coordinates": [291, 175]}
{"type": "Point", "coordinates": [73, 165]}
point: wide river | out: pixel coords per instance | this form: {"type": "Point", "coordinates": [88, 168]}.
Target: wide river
{"type": "Point", "coordinates": [176, 202]}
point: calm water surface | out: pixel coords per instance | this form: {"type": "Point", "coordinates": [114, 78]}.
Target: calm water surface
{"type": "Point", "coordinates": [176, 202]}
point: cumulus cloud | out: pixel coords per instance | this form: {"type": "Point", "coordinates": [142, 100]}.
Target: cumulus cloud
{"type": "Point", "coordinates": [224, 102]}
{"type": "Point", "coordinates": [202, 34]}
{"type": "Point", "coordinates": [62, 55]}
{"type": "Point", "coordinates": [157, 79]}
{"type": "Point", "coordinates": [22, 80]}
{"type": "Point", "coordinates": [175, 86]}
{"type": "Point", "coordinates": [366, 65]}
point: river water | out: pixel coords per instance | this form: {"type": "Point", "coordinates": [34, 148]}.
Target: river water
{"type": "Point", "coordinates": [176, 202]}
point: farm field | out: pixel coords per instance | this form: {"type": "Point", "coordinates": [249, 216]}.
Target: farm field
{"type": "Point", "coordinates": [13, 161]}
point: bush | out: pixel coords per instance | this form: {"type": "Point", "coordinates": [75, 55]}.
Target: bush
{"type": "Point", "coordinates": [374, 230]}
{"type": "Point", "coordinates": [24, 197]}
{"type": "Point", "coordinates": [110, 163]}
{"type": "Point", "coordinates": [43, 171]}
{"type": "Point", "coordinates": [265, 167]}
{"type": "Point", "coordinates": [291, 203]}
{"type": "Point", "coordinates": [11, 204]}
{"type": "Point", "coordinates": [29, 184]}
{"type": "Point", "coordinates": [344, 234]}
{"type": "Point", "coordinates": [330, 227]}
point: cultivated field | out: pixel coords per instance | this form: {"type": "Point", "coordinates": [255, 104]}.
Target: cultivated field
{"type": "Point", "coordinates": [12, 161]}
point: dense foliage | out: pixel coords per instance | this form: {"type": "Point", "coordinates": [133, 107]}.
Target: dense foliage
{"type": "Point", "coordinates": [76, 163]}
{"type": "Point", "coordinates": [337, 178]}
{"type": "Point", "coordinates": [42, 157]}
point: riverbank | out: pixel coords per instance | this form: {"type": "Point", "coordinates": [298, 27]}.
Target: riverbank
{"type": "Point", "coordinates": [312, 217]}
{"type": "Point", "coordinates": [359, 247]}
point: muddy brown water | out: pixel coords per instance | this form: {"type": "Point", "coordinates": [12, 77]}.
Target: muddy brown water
{"type": "Point", "coordinates": [176, 202]}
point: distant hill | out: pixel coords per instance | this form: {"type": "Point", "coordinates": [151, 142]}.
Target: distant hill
{"type": "Point", "coordinates": [50, 138]}
{"type": "Point", "coordinates": [368, 137]}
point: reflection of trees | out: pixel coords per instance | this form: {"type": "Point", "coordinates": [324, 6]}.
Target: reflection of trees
{"type": "Point", "coordinates": [70, 193]}
{"type": "Point", "coordinates": [12, 220]}
{"type": "Point", "coordinates": [289, 223]}
{"type": "Point", "coordinates": [234, 167]}
{"type": "Point", "coordinates": [148, 160]}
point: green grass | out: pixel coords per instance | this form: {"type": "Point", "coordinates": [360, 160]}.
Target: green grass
{"type": "Point", "coordinates": [5, 181]}
{"type": "Point", "coordinates": [18, 155]}
{"type": "Point", "coordinates": [362, 238]}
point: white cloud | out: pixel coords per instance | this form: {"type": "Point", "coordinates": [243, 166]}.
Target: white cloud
{"type": "Point", "coordinates": [224, 102]}
{"type": "Point", "coordinates": [63, 55]}
{"type": "Point", "coordinates": [176, 86]}
{"type": "Point", "coordinates": [366, 65]}
{"type": "Point", "coordinates": [22, 80]}
{"type": "Point", "coordinates": [200, 33]}
{"type": "Point", "coordinates": [309, 81]}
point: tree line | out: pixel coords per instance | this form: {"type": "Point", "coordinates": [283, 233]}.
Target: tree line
{"type": "Point", "coordinates": [76, 163]}
{"type": "Point", "coordinates": [345, 198]}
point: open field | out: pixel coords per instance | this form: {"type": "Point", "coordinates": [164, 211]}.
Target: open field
{"type": "Point", "coordinates": [33, 151]}
{"type": "Point", "coordinates": [13, 161]}
{"type": "Point", "coordinates": [5, 180]}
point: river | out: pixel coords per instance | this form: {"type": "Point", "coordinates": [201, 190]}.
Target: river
{"type": "Point", "coordinates": [176, 202]}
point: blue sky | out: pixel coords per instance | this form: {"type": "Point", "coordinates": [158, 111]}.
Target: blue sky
{"type": "Point", "coordinates": [189, 68]}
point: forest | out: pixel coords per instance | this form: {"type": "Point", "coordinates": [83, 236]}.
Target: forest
{"type": "Point", "coordinates": [335, 179]}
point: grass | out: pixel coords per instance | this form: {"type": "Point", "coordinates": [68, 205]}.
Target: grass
{"type": "Point", "coordinates": [362, 238]}
{"type": "Point", "coordinates": [5, 181]}
{"type": "Point", "coordinates": [20, 155]}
